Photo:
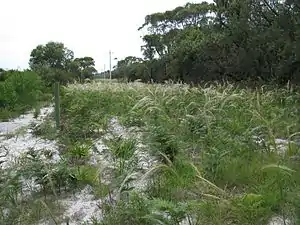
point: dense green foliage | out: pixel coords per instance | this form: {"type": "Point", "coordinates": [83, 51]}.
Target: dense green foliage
{"type": "Point", "coordinates": [220, 154]}
{"type": "Point", "coordinates": [216, 171]}
{"type": "Point", "coordinates": [54, 62]}
{"type": "Point", "coordinates": [226, 40]}
{"type": "Point", "coordinates": [20, 91]}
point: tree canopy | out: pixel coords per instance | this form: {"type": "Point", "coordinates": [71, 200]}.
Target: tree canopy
{"type": "Point", "coordinates": [225, 40]}
{"type": "Point", "coordinates": [55, 62]}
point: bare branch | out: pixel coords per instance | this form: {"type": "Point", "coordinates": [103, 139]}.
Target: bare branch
{"type": "Point", "coordinates": [270, 8]}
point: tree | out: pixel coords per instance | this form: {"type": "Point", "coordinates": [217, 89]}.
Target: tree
{"type": "Point", "coordinates": [84, 68]}
{"type": "Point", "coordinates": [251, 40]}
{"type": "Point", "coordinates": [2, 74]}
{"type": "Point", "coordinates": [51, 61]}
{"type": "Point", "coordinates": [130, 68]}
{"type": "Point", "coordinates": [55, 62]}
{"type": "Point", "coordinates": [51, 55]}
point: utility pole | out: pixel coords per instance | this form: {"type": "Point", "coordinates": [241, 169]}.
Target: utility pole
{"type": "Point", "coordinates": [110, 64]}
{"type": "Point", "coordinates": [104, 73]}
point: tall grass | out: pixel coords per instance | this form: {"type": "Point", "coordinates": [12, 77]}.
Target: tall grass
{"type": "Point", "coordinates": [212, 169]}
{"type": "Point", "coordinates": [205, 138]}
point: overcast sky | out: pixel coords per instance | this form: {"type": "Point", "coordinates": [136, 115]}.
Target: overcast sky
{"type": "Point", "coordinates": [89, 27]}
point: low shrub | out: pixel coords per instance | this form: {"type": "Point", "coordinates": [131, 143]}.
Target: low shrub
{"type": "Point", "coordinates": [20, 91]}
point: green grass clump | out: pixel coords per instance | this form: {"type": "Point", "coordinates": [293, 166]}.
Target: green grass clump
{"type": "Point", "coordinates": [205, 140]}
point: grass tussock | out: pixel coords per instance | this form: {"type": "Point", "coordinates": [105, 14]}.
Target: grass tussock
{"type": "Point", "coordinates": [206, 140]}
{"type": "Point", "coordinates": [226, 155]}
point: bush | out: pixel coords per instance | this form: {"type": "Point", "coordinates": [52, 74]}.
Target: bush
{"type": "Point", "coordinates": [19, 92]}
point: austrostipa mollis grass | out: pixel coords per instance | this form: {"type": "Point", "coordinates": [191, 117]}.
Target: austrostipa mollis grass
{"type": "Point", "coordinates": [217, 154]}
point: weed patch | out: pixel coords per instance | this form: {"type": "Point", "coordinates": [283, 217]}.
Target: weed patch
{"type": "Point", "coordinates": [174, 154]}
{"type": "Point", "coordinates": [205, 141]}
